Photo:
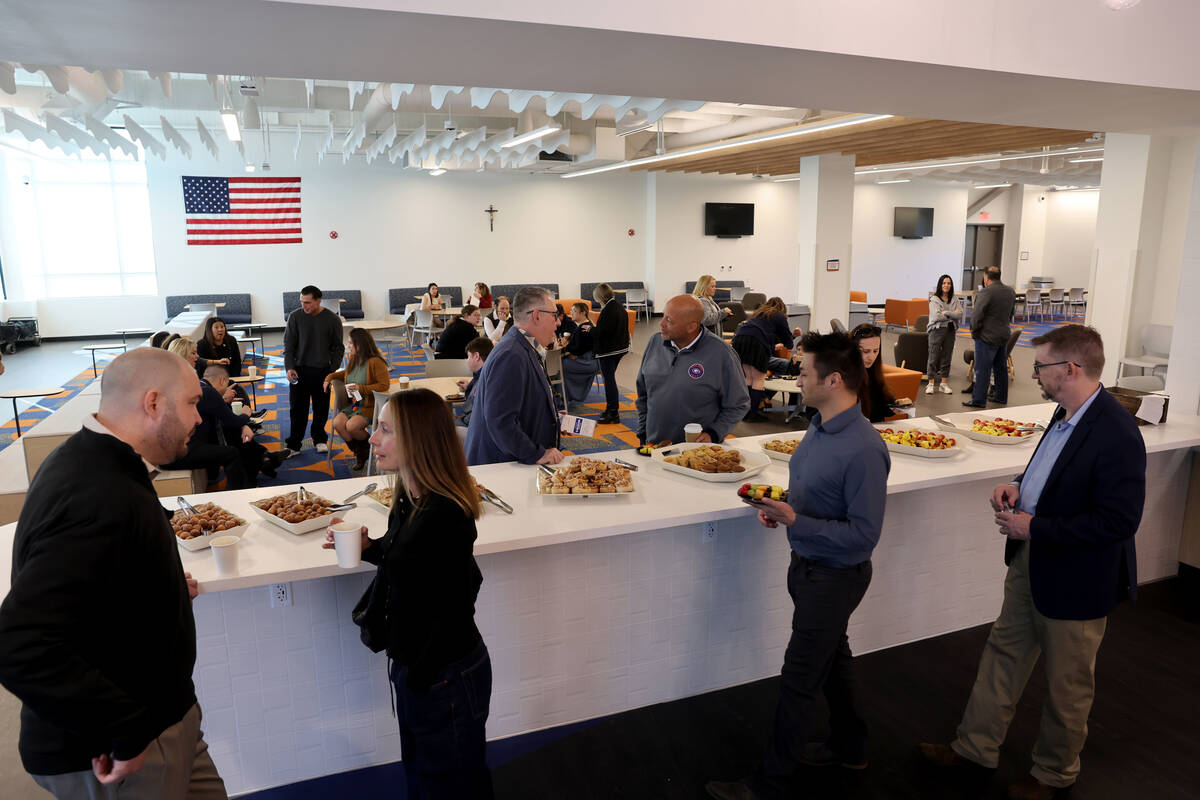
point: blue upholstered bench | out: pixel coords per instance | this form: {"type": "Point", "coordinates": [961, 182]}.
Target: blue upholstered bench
{"type": "Point", "coordinates": [399, 298]}
{"type": "Point", "coordinates": [235, 312]}
{"type": "Point", "coordinates": [723, 287]}
{"type": "Point", "coordinates": [586, 289]}
{"type": "Point", "coordinates": [509, 290]}
{"type": "Point", "coordinates": [351, 309]}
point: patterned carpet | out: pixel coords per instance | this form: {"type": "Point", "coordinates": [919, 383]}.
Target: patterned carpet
{"type": "Point", "coordinates": [1029, 330]}
{"type": "Point", "coordinates": [310, 465]}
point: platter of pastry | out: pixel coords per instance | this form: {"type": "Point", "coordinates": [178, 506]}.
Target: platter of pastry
{"type": "Point", "coordinates": [382, 496]}
{"type": "Point", "coordinates": [293, 514]}
{"type": "Point", "coordinates": [711, 462]}
{"type": "Point", "coordinates": [780, 449]}
{"type": "Point", "coordinates": [190, 530]}
{"type": "Point", "coordinates": [585, 477]}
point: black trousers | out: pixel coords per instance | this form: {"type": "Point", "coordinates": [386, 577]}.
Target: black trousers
{"type": "Point", "coordinates": [608, 370]}
{"type": "Point", "coordinates": [817, 659]}
{"type": "Point", "coordinates": [308, 390]}
{"type": "Point", "coordinates": [233, 459]}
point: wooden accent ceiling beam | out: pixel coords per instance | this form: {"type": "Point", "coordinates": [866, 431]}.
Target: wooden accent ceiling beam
{"type": "Point", "coordinates": [887, 141]}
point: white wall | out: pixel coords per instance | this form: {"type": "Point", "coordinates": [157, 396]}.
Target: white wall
{"type": "Point", "coordinates": [1033, 235]}
{"type": "Point", "coordinates": [766, 261]}
{"type": "Point", "coordinates": [1070, 238]}
{"type": "Point", "coordinates": [887, 266]}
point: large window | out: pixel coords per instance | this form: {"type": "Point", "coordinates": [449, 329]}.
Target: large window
{"type": "Point", "coordinates": [77, 226]}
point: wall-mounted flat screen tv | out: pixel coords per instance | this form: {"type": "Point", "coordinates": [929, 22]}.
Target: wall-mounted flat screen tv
{"type": "Point", "coordinates": [913, 223]}
{"type": "Point", "coordinates": [729, 219]}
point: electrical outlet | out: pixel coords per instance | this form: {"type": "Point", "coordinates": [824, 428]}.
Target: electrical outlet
{"type": "Point", "coordinates": [708, 532]}
{"type": "Point", "coordinates": [281, 595]}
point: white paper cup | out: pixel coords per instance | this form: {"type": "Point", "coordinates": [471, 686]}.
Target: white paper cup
{"type": "Point", "coordinates": [692, 431]}
{"type": "Point", "coordinates": [236, 407]}
{"type": "Point", "coordinates": [402, 383]}
{"type": "Point", "coordinates": [347, 542]}
{"type": "Point", "coordinates": [225, 553]}
{"type": "Point", "coordinates": [252, 371]}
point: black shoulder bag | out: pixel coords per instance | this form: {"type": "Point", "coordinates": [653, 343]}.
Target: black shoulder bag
{"type": "Point", "coordinates": [370, 612]}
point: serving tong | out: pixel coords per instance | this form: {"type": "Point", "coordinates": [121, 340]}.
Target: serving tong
{"type": "Point", "coordinates": [370, 487]}
{"type": "Point", "coordinates": [494, 499]}
{"type": "Point", "coordinates": [190, 511]}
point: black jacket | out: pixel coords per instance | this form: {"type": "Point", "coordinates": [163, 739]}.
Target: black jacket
{"type": "Point", "coordinates": [454, 340]}
{"type": "Point", "coordinates": [611, 334]}
{"type": "Point", "coordinates": [992, 312]}
{"type": "Point", "coordinates": [1081, 559]}
{"type": "Point", "coordinates": [97, 638]}
{"type": "Point", "coordinates": [226, 349]}
{"type": "Point", "coordinates": [581, 342]}
{"type": "Point", "coordinates": [216, 413]}
{"type": "Point", "coordinates": [433, 581]}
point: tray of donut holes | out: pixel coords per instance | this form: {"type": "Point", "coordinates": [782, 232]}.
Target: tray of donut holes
{"type": "Point", "coordinates": [190, 531]}
{"type": "Point", "coordinates": [295, 515]}
{"type": "Point", "coordinates": [711, 462]}
{"type": "Point", "coordinates": [586, 477]}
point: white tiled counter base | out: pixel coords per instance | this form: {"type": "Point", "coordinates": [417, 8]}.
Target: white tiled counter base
{"type": "Point", "coordinates": [595, 627]}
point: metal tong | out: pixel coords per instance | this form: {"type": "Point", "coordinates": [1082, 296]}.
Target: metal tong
{"type": "Point", "coordinates": [625, 464]}
{"type": "Point", "coordinates": [370, 487]}
{"type": "Point", "coordinates": [187, 508]}
{"type": "Point", "coordinates": [494, 499]}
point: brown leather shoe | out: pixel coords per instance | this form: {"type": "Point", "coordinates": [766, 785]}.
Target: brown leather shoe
{"type": "Point", "coordinates": [730, 790]}
{"type": "Point", "coordinates": [943, 755]}
{"type": "Point", "coordinates": [1030, 788]}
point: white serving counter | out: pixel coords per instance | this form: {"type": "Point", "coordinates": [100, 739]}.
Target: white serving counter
{"type": "Point", "coordinates": [598, 605]}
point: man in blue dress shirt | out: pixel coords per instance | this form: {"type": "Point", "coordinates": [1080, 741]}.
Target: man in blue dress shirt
{"type": "Point", "coordinates": [1070, 519]}
{"type": "Point", "coordinates": [837, 487]}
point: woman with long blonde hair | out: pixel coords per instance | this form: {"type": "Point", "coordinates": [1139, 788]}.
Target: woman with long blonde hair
{"type": "Point", "coordinates": [706, 287]}
{"type": "Point", "coordinates": [440, 668]}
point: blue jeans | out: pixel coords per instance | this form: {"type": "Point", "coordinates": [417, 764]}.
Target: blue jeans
{"type": "Point", "coordinates": [993, 360]}
{"type": "Point", "coordinates": [442, 730]}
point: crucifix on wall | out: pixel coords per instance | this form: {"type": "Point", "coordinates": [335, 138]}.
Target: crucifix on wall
{"type": "Point", "coordinates": [491, 212]}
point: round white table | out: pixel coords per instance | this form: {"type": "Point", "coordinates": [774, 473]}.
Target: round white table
{"type": "Point", "coordinates": [15, 394]}
{"type": "Point", "coordinates": [92, 348]}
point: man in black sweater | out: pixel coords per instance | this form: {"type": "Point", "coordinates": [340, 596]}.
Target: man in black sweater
{"type": "Point", "coordinates": [97, 638]}
{"type": "Point", "coordinates": [990, 330]}
{"type": "Point", "coordinates": [312, 348]}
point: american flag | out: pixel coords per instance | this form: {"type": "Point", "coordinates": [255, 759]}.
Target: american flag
{"type": "Point", "coordinates": [258, 210]}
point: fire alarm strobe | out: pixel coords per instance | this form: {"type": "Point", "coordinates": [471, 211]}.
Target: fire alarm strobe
{"type": "Point", "coordinates": [333, 234]}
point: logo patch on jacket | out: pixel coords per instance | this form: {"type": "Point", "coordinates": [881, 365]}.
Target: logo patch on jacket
{"type": "Point", "coordinates": [696, 370]}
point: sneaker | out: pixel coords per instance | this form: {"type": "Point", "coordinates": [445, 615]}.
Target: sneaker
{"type": "Point", "coordinates": [946, 389]}
{"type": "Point", "coordinates": [289, 452]}
{"type": "Point", "coordinates": [258, 416]}
{"type": "Point", "coordinates": [930, 388]}
{"type": "Point", "coordinates": [322, 447]}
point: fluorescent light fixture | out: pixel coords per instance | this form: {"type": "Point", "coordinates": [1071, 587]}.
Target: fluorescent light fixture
{"type": "Point", "coordinates": [230, 121]}
{"type": "Point", "coordinates": [790, 133]}
{"type": "Point", "coordinates": [250, 168]}
{"type": "Point", "coordinates": [1077, 189]}
{"type": "Point", "coordinates": [536, 133]}
{"type": "Point", "coordinates": [897, 180]}
{"type": "Point", "coordinates": [1084, 160]}
{"type": "Point", "coordinates": [992, 186]}
{"type": "Point", "coordinates": [943, 164]}
{"type": "Point", "coordinates": [436, 172]}
{"type": "Point", "coordinates": [638, 128]}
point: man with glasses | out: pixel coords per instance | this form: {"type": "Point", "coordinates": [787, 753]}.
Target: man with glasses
{"type": "Point", "coordinates": [1069, 520]}
{"type": "Point", "coordinates": [514, 416]}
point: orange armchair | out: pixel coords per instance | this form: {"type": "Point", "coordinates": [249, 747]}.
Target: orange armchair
{"type": "Point", "coordinates": [858, 297]}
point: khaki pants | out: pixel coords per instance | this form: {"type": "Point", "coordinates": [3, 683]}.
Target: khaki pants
{"type": "Point", "coordinates": [178, 767]}
{"type": "Point", "coordinates": [1019, 635]}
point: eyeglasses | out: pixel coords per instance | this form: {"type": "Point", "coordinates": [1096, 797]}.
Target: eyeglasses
{"type": "Point", "coordinates": [1039, 367]}
{"type": "Point", "coordinates": [545, 310]}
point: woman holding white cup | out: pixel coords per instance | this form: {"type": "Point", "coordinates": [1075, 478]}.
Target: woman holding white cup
{"type": "Point", "coordinates": [441, 669]}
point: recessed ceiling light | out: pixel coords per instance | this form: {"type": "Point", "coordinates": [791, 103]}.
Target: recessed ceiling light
{"type": "Point", "coordinates": [1121, 5]}
{"type": "Point", "coordinates": [992, 186]}
{"type": "Point", "coordinates": [436, 172]}
{"type": "Point", "coordinates": [230, 121]}
{"type": "Point", "coordinates": [898, 180]}
{"type": "Point", "coordinates": [1084, 160]}
{"type": "Point", "coordinates": [250, 168]}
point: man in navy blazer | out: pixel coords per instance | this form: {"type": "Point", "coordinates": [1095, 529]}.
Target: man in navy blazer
{"type": "Point", "coordinates": [1070, 519]}
{"type": "Point", "coordinates": [514, 417]}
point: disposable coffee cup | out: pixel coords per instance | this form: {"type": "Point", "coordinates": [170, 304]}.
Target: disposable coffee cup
{"type": "Point", "coordinates": [347, 542]}
{"type": "Point", "coordinates": [692, 431]}
{"type": "Point", "coordinates": [236, 407]}
{"type": "Point", "coordinates": [402, 382]}
{"type": "Point", "coordinates": [225, 553]}
{"type": "Point", "coordinates": [252, 371]}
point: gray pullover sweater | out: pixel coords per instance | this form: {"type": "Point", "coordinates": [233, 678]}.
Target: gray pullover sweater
{"type": "Point", "coordinates": [701, 383]}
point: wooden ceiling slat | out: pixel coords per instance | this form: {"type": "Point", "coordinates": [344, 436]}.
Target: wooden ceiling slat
{"type": "Point", "coordinates": [893, 140]}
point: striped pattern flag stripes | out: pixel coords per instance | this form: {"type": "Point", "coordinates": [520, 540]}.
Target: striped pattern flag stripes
{"type": "Point", "coordinates": [242, 210]}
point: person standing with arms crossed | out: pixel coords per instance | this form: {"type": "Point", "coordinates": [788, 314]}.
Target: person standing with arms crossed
{"type": "Point", "coordinates": [97, 638]}
{"type": "Point", "coordinates": [1069, 519]}
{"type": "Point", "coordinates": [312, 348]}
{"type": "Point", "coordinates": [837, 488]}
{"type": "Point", "coordinates": [990, 330]}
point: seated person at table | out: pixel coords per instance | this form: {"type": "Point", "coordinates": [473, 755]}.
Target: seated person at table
{"type": "Point", "coordinates": [432, 300]}
{"type": "Point", "coordinates": [224, 439]}
{"type": "Point", "coordinates": [688, 375]}
{"type": "Point", "coordinates": [874, 397]}
{"type": "Point", "coordinates": [156, 341]}
{"type": "Point", "coordinates": [497, 323]}
{"type": "Point", "coordinates": [458, 334]}
{"type": "Point", "coordinates": [218, 347]}
{"type": "Point", "coordinates": [754, 344]}
{"type": "Point", "coordinates": [477, 352]}
{"type": "Point", "coordinates": [579, 363]}
{"type": "Point", "coordinates": [481, 297]}
{"type": "Point", "coordinates": [564, 326]}
{"type": "Point", "coordinates": [366, 373]}
{"type": "Point", "coordinates": [167, 342]}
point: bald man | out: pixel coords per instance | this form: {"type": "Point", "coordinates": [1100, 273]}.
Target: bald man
{"type": "Point", "coordinates": [688, 375]}
{"type": "Point", "coordinates": [97, 638]}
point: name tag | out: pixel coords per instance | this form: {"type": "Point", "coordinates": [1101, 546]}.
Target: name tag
{"type": "Point", "coordinates": [578, 426]}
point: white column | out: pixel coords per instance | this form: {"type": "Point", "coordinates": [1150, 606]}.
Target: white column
{"type": "Point", "coordinates": [826, 212]}
{"type": "Point", "coordinates": [1183, 378]}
